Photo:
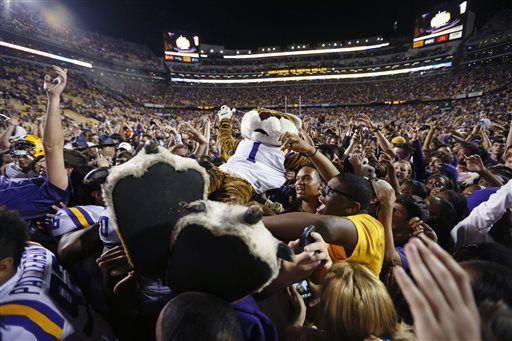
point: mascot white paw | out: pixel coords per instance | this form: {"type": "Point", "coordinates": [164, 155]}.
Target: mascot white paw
{"type": "Point", "coordinates": [225, 112]}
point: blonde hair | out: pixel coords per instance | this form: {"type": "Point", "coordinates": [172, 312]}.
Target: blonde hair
{"type": "Point", "coordinates": [408, 165]}
{"type": "Point", "coordinates": [355, 304]}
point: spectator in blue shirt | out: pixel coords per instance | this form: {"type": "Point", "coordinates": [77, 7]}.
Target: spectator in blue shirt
{"type": "Point", "coordinates": [33, 198]}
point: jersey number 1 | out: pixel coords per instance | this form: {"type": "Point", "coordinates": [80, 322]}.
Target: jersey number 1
{"type": "Point", "coordinates": [254, 151]}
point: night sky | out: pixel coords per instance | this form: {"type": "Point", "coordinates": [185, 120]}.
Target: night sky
{"type": "Point", "coordinates": [246, 24]}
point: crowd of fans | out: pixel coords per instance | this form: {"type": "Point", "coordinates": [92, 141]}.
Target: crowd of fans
{"type": "Point", "coordinates": [92, 94]}
{"type": "Point", "coordinates": [420, 87]}
{"type": "Point", "coordinates": [437, 209]}
{"type": "Point", "coordinates": [411, 203]}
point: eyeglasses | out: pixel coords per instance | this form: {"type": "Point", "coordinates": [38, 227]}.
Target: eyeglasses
{"type": "Point", "coordinates": [328, 190]}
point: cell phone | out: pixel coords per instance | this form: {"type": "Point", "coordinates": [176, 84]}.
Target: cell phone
{"type": "Point", "coordinates": [304, 290]}
{"type": "Point", "coordinates": [306, 238]}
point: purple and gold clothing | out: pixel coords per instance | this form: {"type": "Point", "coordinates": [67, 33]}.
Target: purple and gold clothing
{"type": "Point", "coordinates": [41, 303]}
{"type": "Point", "coordinates": [32, 198]}
{"type": "Point", "coordinates": [69, 219]}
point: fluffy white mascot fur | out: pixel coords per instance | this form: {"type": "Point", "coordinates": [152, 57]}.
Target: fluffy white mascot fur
{"type": "Point", "coordinates": [258, 158]}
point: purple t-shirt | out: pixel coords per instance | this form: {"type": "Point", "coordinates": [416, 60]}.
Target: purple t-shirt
{"type": "Point", "coordinates": [256, 326]}
{"type": "Point", "coordinates": [401, 253]}
{"type": "Point", "coordinates": [33, 197]}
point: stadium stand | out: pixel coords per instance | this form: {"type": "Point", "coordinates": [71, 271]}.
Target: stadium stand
{"type": "Point", "coordinates": [402, 163]}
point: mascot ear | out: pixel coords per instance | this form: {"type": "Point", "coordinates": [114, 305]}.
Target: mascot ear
{"type": "Point", "coordinates": [146, 197]}
{"type": "Point", "coordinates": [225, 113]}
{"type": "Point", "coordinates": [288, 126]}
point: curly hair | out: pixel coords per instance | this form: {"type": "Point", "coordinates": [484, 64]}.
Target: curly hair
{"type": "Point", "coordinates": [13, 235]}
{"type": "Point", "coordinates": [414, 205]}
{"type": "Point", "coordinates": [360, 188]}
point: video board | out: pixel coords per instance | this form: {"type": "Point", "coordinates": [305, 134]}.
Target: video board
{"type": "Point", "coordinates": [440, 25]}
{"type": "Point", "coordinates": [181, 47]}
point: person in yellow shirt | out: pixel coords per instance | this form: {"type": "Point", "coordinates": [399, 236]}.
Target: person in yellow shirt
{"type": "Point", "coordinates": [342, 218]}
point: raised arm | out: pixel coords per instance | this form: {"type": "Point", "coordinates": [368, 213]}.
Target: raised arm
{"type": "Point", "coordinates": [509, 137]}
{"type": "Point", "coordinates": [207, 134]}
{"type": "Point", "coordinates": [352, 145]}
{"type": "Point", "coordinates": [428, 140]}
{"type": "Point", "coordinates": [386, 196]}
{"type": "Point", "coordinates": [384, 143]}
{"type": "Point", "coordinates": [485, 138]}
{"type": "Point", "coordinates": [390, 169]}
{"type": "Point", "coordinates": [11, 126]}
{"type": "Point", "coordinates": [474, 164]}
{"type": "Point", "coordinates": [226, 139]}
{"type": "Point", "coordinates": [77, 245]}
{"type": "Point", "coordinates": [39, 127]}
{"type": "Point", "coordinates": [324, 166]}
{"type": "Point", "coordinates": [477, 225]}
{"type": "Point", "coordinates": [53, 139]}
{"type": "Point", "coordinates": [198, 137]}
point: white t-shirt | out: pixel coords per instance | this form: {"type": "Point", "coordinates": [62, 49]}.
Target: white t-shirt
{"type": "Point", "coordinates": [259, 164]}
{"type": "Point", "coordinates": [40, 303]}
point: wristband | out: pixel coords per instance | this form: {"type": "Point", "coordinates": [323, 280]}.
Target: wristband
{"type": "Point", "coordinates": [310, 156]}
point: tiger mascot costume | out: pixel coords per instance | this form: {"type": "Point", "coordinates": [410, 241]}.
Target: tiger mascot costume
{"type": "Point", "coordinates": [256, 163]}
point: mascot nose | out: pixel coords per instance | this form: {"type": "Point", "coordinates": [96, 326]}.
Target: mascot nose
{"type": "Point", "coordinates": [253, 215]}
{"type": "Point", "coordinates": [264, 115]}
{"type": "Point", "coordinates": [284, 252]}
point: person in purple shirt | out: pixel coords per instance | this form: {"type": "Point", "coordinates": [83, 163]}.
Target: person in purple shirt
{"type": "Point", "coordinates": [33, 198]}
{"type": "Point", "coordinates": [198, 316]}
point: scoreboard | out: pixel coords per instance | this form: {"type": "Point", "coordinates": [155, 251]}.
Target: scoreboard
{"type": "Point", "coordinates": [440, 25]}
{"type": "Point", "coordinates": [181, 47]}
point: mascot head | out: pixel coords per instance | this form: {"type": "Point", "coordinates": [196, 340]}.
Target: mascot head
{"type": "Point", "coordinates": [224, 250]}
{"type": "Point", "coordinates": [266, 126]}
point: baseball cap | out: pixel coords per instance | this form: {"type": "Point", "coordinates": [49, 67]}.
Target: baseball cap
{"type": "Point", "coordinates": [106, 140]}
{"type": "Point", "coordinates": [126, 146]}
{"type": "Point", "coordinates": [79, 142]}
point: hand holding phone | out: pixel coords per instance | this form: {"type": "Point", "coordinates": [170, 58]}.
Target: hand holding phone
{"type": "Point", "coordinates": [304, 291]}
{"type": "Point", "coordinates": [305, 239]}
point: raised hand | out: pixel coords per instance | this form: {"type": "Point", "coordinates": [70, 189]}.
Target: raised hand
{"type": "Point", "coordinates": [418, 227]}
{"type": "Point", "coordinates": [356, 159]}
{"type": "Point", "coordinates": [195, 134]}
{"type": "Point", "coordinates": [474, 163]}
{"type": "Point", "coordinates": [367, 121]}
{"type": "Point", "coordinates": [294, 142]}
{"type": "Point", "coordinates": [441, 300]}
{"type": "Point", "coordinates": [56, 209]}
{"type": "Point", "coordinates": [386, 160]}
{"type": "Point", "coordinates": [101, 161]}
{"type": "Point", "coordinates": [54, 87]}
{"type": "Point", "coordinates": [225, 113]}
{"type": "Point", "coordinates": [384, 192]}
{"type": "Point", "coordinates": [319, 248]}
